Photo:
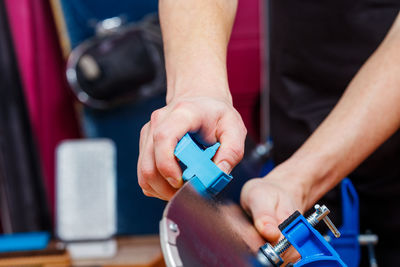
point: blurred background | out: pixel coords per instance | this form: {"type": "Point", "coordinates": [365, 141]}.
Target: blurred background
{"type": "Point", "coordinates": [78, 80]}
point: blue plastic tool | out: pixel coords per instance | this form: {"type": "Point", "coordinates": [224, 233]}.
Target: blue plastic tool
{"type": "Point", "coordinates": [24, 241]}
{"type": "Point", "coordinates": [197, 160]}
{"type": "Point", "coordinates": [347, 245]}
{"type": "Point", "coordinates": [311, 245]}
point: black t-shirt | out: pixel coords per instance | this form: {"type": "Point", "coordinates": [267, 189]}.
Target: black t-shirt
{"type": "Point", "coordinates": [316, 48]}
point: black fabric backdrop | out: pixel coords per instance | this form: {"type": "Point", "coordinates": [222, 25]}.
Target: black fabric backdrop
{"type": "Point", "coordinates": [316, 49]}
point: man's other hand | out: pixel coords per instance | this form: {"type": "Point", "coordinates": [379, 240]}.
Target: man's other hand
{"type": "Point", "coordinates": [159, 174]}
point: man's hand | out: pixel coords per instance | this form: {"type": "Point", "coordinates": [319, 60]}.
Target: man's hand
{"type": "Point", "coordinates": [270, 201]}
{"type": "Point", "coordinates": [215, 119]}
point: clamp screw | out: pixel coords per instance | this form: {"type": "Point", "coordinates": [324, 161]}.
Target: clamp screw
{"type": "Point", "coordinates": [282, 246]}
{"type": "Point", "coordinates": [321, 213]}
{"type": "Point", "coordinates": [273, 252]}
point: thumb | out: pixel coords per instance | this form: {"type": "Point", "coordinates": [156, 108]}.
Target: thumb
{"type": "Point", "coordinates": [231, 151]}
{"type": "Point", "coordinates": [261, 206]}
{"type": "Point", "coordinates": [229, 155]}
{"type": "Point", "coordinates": [225, 166]}
{"type": "Point", "coordinates": [267, 226]}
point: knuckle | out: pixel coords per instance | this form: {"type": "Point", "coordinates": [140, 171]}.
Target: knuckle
{"type": "Point", "coordinates": [160, 135]}
{"type": "Point", "coordinates": [144, 185]}
{"type": "Point", "coordinates": [242, 126]}
{"type": "Point", "coordinates": [143, 130]}
{"type": "Point", "coordinates": [147, 193]}
{"type": "Point", "coordinates": [184, 110]}
{"type": "Point", "coordinates": [182, 105]}
{"type": "Point", "coordinates": [193, 116]}
{"type": "Point", "coordinates": [146, 173]}
{"type": "Point", "coordinates": [164, 197]}
{"type": "Point", "coordinates": [239, 120]}
{"type": "Point", "coordinates": [249, 192]}
{"type": "Point", "coordinates": [244, 129]}
{"type": "Point", "coordinates": [165, 167]}
{"type": "Point", "coordinates": [155, 115]}
{"type": "Point", "coordinates": [245, 196]}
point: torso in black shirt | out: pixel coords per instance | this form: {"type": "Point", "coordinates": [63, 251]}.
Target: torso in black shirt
{"type": "Point", "coordinates": [317, 47]}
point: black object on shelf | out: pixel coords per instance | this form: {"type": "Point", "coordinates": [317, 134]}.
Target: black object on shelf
{"type": "Point", "coordinates": [122, 64]}
{"type": "Point", "coordinates": [23, 205]}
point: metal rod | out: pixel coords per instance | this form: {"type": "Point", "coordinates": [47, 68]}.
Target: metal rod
{"type": "Point", "coordinates": [331, 227]}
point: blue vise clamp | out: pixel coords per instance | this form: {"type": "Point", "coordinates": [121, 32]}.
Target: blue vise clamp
{"type": "Point", "coordinates": [197, 159]}
{"type": "Point", "coordinates": [348, 245]}
{"type": "Point", "coordinates": [309, 243]}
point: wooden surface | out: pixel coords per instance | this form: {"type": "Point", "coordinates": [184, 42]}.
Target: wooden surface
{"type": "Point", "coordinates": [51, 257]}
{"type": "Point", "coordinates": [143, 251]}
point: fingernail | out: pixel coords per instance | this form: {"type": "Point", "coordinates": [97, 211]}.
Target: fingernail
{"type": "Point", "coordinates": [174, 182]}
{"type": "Point", "coordinates": [224, 166]}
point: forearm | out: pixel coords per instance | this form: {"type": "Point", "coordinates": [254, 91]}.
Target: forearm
{"type": "Point", "coordinates": [367, 114]}
{"type": "Point", "coordinates": [196, 35]}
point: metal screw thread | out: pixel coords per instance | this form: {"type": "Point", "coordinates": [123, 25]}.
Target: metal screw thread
{"type": "Point", "coordinates": [282, 246]}
{"type": "Point", "coordinates": [312, 219]}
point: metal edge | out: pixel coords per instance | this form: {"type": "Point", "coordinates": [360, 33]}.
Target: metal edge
{"type": "Point", "coordinates": [168, 244]}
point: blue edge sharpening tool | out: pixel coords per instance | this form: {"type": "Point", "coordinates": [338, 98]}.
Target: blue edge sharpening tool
{"type": "Point", "coordinates": [197, 160]}
{"type": "Point", "coordinates": [298, 231]}
{"type": "Point", "coordinates": [24, 241]}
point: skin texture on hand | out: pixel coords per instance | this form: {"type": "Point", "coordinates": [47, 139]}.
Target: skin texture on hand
{"type": "Point", "coordinates": [271, 200]}
{"type": "Point", "coordinates": [269, 203]}
{"type": "Point", "coordinates": [158, 171]}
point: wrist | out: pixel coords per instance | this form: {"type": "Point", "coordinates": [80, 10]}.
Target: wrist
{"type": "Point", "coordinates": [186, 85]}
{"type": "Point", "coordinates": [297, 188]}
{"type": "Point", "coordinates": [197, 74]}
{"type": "Point", "coordinates": [306, 179]}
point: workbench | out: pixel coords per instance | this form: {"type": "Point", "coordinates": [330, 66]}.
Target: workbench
{"type": "Point", "coordinates": [134, 251]}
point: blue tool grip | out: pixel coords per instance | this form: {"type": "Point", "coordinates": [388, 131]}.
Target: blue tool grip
{"type": "Point", "coordinates": [197, 160]}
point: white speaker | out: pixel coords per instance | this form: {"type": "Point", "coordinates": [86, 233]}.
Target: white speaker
{"type": "Point", "coordinates": [86, 197]}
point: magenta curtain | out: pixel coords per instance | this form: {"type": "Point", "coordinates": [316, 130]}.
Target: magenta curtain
{"type": "Point", "coordinates": [50, 104]}
{"type": "Point", "coordinates": [244, 63]}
